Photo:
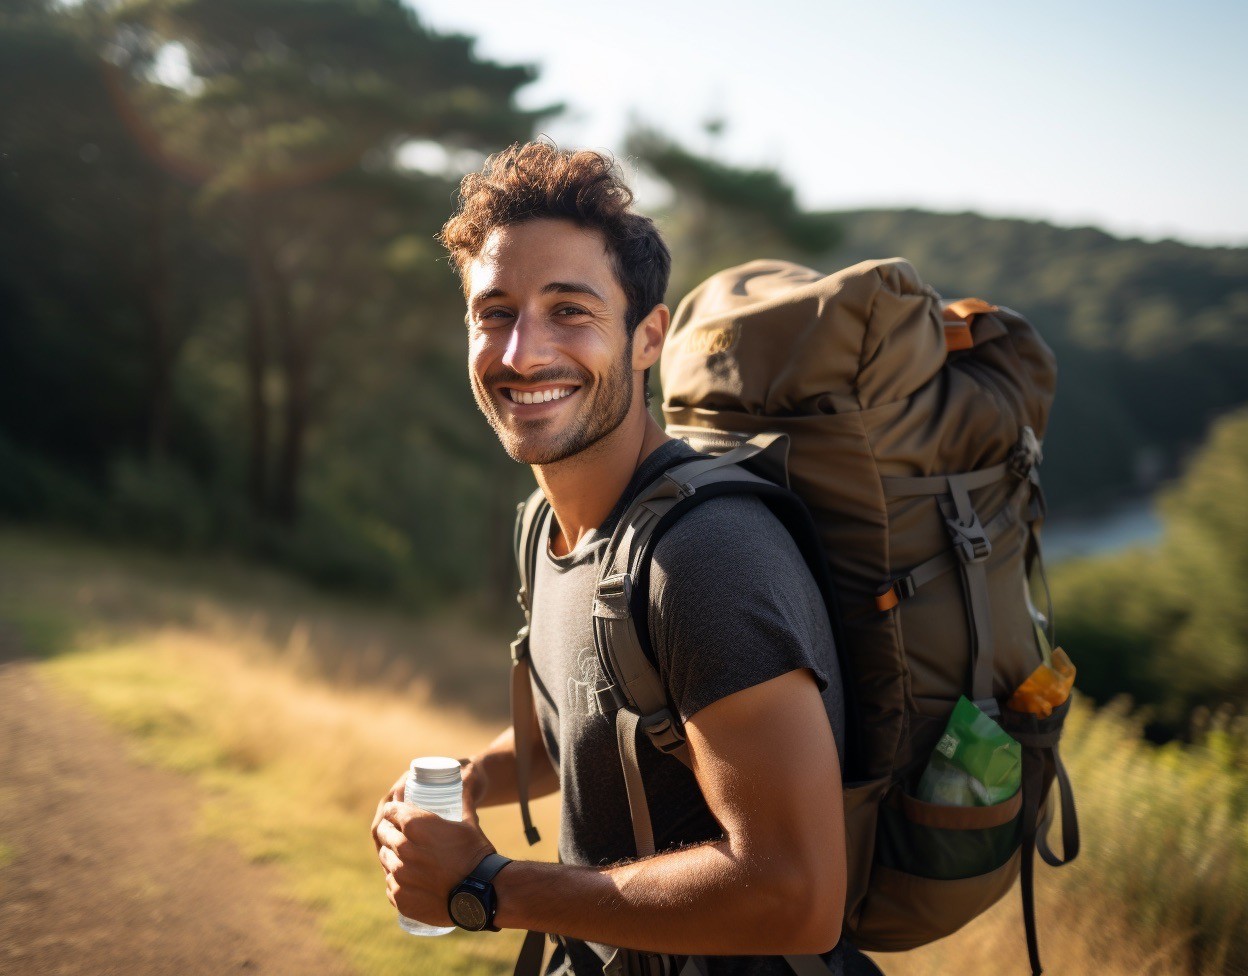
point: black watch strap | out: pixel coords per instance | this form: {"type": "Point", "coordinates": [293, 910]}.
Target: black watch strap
{"type": "Point", "coordinates": [490, 865]}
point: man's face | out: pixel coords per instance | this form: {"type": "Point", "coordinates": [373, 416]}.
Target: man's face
{"type": "Point", "coordinates": [549, 357]}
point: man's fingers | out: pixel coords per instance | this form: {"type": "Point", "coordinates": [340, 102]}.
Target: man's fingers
{"type": "Point", "coordinates": [388, 835]}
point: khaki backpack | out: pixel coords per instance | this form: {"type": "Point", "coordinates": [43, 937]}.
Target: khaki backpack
{"type": "Point", "coordinates": [910, 430]}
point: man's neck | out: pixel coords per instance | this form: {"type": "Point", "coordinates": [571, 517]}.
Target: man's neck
{"type": "Point", "coordinates": [583, 489]}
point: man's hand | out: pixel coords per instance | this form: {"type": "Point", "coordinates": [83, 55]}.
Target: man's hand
{"type": "Point", "coordinates": [394, 796]}
{"type": "Point", "coordinates": [424, 857]}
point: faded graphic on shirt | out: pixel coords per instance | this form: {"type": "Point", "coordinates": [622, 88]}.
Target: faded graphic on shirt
{"type": "Point", "coordinates": [582, 697]}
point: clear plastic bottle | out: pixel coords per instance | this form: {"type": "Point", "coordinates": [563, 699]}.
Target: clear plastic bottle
{"type": "Point", "coordinates": [434, 784]}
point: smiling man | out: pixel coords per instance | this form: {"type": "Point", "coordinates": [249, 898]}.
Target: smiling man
{"type": "Point", "coordinates": [565, 287]}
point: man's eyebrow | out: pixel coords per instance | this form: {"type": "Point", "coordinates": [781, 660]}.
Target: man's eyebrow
{"type": "Point", "coordinates": [489, 293]}
{"type": "Point", "coordinates": [554, 288]}
{"type": "Point", "coordinates": [571, 288]}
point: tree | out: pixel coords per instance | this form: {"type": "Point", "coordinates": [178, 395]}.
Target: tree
{"type": "Point", "coordinates": [292, 113]}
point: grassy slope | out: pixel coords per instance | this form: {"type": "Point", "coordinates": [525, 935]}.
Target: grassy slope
{"type": "Point", "coordinates": [293, 710]}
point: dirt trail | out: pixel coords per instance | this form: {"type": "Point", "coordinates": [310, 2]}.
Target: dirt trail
{"type": "Point", "coordinates": [100, 871]}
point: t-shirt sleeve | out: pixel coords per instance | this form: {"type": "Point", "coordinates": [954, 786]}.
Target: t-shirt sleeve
{"type": "Point", "coordinates": [733, 604]}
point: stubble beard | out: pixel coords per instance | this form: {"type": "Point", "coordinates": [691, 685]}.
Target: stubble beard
{"type": "Point", "coordinates": [609, 404]}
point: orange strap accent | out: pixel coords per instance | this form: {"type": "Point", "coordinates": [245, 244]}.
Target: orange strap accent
{"type": "Point", "coordinates": [964, 308]}
{"type": "Point", "coordinates": [887, 600]}
{"type": "Point", "coordinates": [958, 316]}
{"type": "Point", "coordinates": [958, 336]}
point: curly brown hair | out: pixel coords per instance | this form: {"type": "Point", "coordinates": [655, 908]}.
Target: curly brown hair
{"type": "Point", "coordinates": [537, 179]}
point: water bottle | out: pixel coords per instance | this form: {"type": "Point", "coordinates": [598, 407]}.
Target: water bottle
{"type": "Point", "coordinates": [434, 784]}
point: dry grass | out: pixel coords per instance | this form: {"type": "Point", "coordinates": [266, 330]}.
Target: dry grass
{"type": "Point", "coordinates": [293, 711]}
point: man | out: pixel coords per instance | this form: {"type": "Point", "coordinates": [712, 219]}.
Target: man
{"type": "Point", "coordinates": [564, 287]}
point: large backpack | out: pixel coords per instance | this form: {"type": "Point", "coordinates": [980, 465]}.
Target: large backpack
{"type": "Point", "coordinates": [909, 428]}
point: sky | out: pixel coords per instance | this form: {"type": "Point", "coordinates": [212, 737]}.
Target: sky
{"type": "Point", "coordinates": [1128, 116]}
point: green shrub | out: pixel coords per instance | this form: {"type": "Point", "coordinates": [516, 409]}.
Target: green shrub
{"type": "Point", "coordinates": [159, 503]}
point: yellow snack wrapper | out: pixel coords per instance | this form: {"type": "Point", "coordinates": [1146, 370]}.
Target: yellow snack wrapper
{"type": "Point", "coordinates": [1046, 687]}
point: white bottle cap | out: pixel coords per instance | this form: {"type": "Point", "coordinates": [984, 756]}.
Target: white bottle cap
{"type": "Point", "coordinates": [435, 770]}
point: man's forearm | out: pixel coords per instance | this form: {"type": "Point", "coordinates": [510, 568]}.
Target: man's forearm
{"type": "Point", "coordinates": [698, 900]}
{"type": "Point", "coordinates": [496, 765]}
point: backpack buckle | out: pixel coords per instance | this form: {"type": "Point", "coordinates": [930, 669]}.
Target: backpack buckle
{"type": "Point", "coordinates": [613, 596]}
{"type": "Point", "coordinates": [662, 730]}
{"type": "Point", "coordinates": [683, 488]}
{"type": "Point", "coordinates": [520, 646]}
{"type": "Point", "coordinates": [970, 541]}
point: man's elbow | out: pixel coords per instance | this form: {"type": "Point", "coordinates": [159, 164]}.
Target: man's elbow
{"type": "Point", "coordinates": [814, 906]}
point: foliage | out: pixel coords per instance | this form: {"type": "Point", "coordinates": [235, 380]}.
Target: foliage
{"type": "Point", "coordinates": [222, 310]}
{"type": "Point", "coordinates": [225, 322]}
{"type": "Point", "coordinates": [1169, 625]}
{"type": "Point", "coordinates": [719, 205]}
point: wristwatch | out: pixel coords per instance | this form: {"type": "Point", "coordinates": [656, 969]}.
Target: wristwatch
{"type": "Point", "coordinates": [473, 903]}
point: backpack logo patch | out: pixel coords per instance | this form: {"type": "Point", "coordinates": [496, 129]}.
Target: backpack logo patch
{"type": "Point", "coordinates": [710, 341]}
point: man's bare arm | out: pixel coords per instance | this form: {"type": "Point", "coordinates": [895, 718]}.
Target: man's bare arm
{"type": "Point", "coordinates": [767, 766]}
{"type": "Point", "coordinates": [490, 777]}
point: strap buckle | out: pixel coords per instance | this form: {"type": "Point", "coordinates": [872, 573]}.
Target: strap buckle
{"type": "Point", "coordinates": [900, 589]}
{"type": "Point", "coordinates": [520, 646]}
{"type": "Point", "coordinates": [661, 728]}
{"type": "Point", "coordinates": [683, 488]}
{"type": "Point", "coordinates": [970, 541]}
{"type": "Point", "coordinates": [613, 596]}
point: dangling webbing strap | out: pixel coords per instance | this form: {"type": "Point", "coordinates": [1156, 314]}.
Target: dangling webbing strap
{"type": "Point", "coordinates": [626, 721]}
{"type": "Point", "coordinates": [532, 517]}
{"type": "Point", "coordinates": [529, 962]}
{"type": "Point", "coordinates": [522, 728]}
{"type": "Point", "coordinates": [1042, 763]}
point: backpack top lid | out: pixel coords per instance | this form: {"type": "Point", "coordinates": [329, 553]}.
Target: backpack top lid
{"type": "Point", "coordinates": [773, 337]}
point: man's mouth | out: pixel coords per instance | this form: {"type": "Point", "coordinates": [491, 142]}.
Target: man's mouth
{"type": "Point", "coordinates": [542, 394]}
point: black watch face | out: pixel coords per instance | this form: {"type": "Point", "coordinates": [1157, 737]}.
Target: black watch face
{"type": "Point", "coordinates": [467, 911]}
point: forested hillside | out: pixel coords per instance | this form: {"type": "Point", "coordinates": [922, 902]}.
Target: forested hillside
{"type": "Point", "coordinates": [1151, 338]}
{"type": "Point", "coordinates": [225, 323]}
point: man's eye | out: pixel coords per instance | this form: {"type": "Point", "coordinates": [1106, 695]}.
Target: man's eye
{"type": "Point", "coordinates": [568, 311]}
{"type": "Point", "coordinates": [493, 316]}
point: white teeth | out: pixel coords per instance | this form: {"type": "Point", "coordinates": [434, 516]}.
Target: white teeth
{"type": "Point", "coordinates": [540, 396]}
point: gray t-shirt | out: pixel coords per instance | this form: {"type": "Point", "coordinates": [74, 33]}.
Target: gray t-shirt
{"type": "Point", "coordinates": [732, 604]}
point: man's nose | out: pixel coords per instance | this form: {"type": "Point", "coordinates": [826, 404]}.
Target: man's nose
{"type": "Point", "coordinates": [528, 346]}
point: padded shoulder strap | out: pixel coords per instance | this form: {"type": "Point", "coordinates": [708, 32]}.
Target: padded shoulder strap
{"type": "Point", "coordinates": [530, 516]}
{"type": "Point", "coordinates": [633, 680]}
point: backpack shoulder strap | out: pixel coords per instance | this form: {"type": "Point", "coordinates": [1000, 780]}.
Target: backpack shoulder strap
{"type": "Point", "coordinates": [635, 690]}
{"type": "Point", "coordinates": [633, 681]}
{"type": "Point", "coordinates": [531, 517]}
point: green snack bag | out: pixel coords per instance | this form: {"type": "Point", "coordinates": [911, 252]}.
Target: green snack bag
{"type": "Point", "coordinates": [975, 763]}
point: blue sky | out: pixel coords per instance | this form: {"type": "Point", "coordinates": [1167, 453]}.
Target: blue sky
{"type": "Point", "coordinates": [1130, 116]}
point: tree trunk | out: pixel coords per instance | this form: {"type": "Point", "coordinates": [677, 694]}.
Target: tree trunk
{"type": "Point", "coordinates": [257, 366]}
{"type": "Point", "coordinates": [160, 338]}
{"type": "Point", "coordinates": [296, 356]}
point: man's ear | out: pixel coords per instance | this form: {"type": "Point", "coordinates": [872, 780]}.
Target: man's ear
{"type": "Point", "coordinates": [649, 337]}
